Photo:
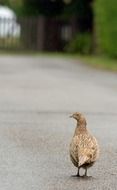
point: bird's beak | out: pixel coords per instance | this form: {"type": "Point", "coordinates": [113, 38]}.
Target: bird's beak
{"type": "Point", "coordinates": [71, 116]}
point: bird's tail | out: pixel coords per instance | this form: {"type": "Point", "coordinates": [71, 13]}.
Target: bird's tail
{"type": "Point", "coordinates": [82, 160]}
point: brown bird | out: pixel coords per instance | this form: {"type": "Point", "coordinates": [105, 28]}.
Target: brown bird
{"type": "Point", "coordinates": [84, 149]}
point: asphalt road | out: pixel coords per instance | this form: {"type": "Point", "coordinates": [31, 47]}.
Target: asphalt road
{"type": "Point", "coordinates": [37, 95]}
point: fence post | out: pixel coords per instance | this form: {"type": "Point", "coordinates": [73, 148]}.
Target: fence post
{"type": "Point", "coordinates": [41, 33]}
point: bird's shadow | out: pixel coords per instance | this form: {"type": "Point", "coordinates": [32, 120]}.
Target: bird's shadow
{"type": "Point", "coordinates": [84, 178]}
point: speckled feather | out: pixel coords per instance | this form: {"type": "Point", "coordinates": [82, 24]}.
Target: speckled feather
{"type": "Point", "coordinates": [84, 149]}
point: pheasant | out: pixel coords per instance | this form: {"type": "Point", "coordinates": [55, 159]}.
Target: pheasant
{"type": "Point", "coordinates": [84, 148]}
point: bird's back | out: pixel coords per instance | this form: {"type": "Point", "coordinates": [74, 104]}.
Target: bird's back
{"type": "Point", "coordinates": [83, 149]}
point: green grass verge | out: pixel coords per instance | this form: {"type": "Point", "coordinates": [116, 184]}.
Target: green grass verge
{"type": "Point", "coordinates": [99, 62]}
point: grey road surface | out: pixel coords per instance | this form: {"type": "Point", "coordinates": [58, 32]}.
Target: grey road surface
{"type": "Point", "coordinates": [37, 95]}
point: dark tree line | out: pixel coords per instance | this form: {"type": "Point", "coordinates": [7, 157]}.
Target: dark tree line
{"type": "Point", "coordinates": [80, 9]}
{"type": "Point", "coordinates": [45, 7]}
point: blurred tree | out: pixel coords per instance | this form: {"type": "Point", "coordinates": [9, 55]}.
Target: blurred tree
{"type": "Point", "coordinates": [14, 4]}
{"type": "Point", "coordinates": [45, 7]}
{"type": "Point", "coordinates": [80, 9]}
{"type": "Point", "coordinates": [4, 2]}
{"type": "Point", "coordinates": [106, 26]}
{"type": "Point", "coordinates": [83, 12]}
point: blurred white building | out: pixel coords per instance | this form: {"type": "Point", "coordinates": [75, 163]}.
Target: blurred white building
{"type": "Point", "coordinates": [8, 24]}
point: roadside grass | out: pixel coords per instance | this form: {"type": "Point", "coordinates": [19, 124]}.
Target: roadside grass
{"type": "Point", "coordinates": [99, 62]}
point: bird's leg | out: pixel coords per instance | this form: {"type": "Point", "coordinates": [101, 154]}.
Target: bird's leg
{"type": "Point", "coordinates": [85, 175]}
{"type": "Point", "coordinates": [78, 173]}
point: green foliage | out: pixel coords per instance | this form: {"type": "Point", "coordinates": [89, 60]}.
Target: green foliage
{"type": "Point", "coordinates": [79, 8]}
{"type": "Point", "coordinates": [82, 11]}
{"type": "Point", "coordinates": [106, 25]}
{"type": "Point", "coordinates": [80, 44]}
{"type": "Point", "coordinates": [100, 62]}
{"type": "Point", "coordinates": [16, 5]}
{"type": "Point", "coordinates": [45, 7]}
{"type": "Point", "coordinates": [4, 2]}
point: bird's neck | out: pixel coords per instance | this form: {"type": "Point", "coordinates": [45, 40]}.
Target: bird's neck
{"type": "Point", "coordinates": [80, 129]}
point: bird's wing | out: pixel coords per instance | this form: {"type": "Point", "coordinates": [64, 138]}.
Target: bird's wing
{"type": "Point", "coordinates": [74, 150]}
{"type": "Point", "coordinates": [87, 149]}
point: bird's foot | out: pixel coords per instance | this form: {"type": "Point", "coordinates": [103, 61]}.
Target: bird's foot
{"type": "Point", "coordinates": [86, 177]}
{"type": "Point", "coordinates": [76, 175]}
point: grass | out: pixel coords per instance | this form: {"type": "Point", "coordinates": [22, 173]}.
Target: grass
{"type": "Point", "coordinates": [100, 62]}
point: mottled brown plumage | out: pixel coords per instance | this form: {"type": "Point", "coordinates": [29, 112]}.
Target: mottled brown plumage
{"type": "Point", "coordinates": [84, 149]}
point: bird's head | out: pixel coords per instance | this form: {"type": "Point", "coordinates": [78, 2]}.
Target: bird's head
{"type": "Point", "coordinates": [79, 117]}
